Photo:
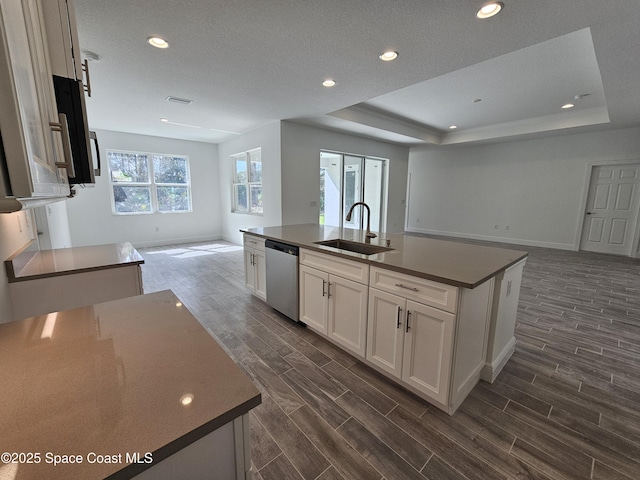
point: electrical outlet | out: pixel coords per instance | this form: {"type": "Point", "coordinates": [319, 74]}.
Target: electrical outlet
{"type": "Point", "coordinates": [157, 229]}
{"type": "Point", "coordinates": [506, 227]}
{"type": "Point", "coordinates": [417, 220]}
{"type": "Point", "coordinates": [508, 288]}
{"type": "Point", "coordinates": [496, 226]}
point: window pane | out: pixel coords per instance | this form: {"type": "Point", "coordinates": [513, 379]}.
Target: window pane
{"type": "Point", "coordinates": [170, 169]}
{"type": "Point", "coordinates": [256, 198]}
{"type": "Point", "coordinates": [132, 199]}
{"type": "Point", "coordinates": [128, 167]}
{"type": "Point", "coordinates": [256, 172]}
{"type": "Point", "coordinates": [173, 199]}
{"type": "Point", "coordinates": [240, 192]}
{"type": "Point", "coordinates": [241, 171]}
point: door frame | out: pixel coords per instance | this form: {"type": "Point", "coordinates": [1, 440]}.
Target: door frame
{"type": "Point", "coordinates": [590, 167]}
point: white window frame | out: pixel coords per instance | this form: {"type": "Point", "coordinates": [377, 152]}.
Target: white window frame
{"type": "Point", "coordinates": [151, 184]}
{"type": "Point", "coordinates": [248, 184]}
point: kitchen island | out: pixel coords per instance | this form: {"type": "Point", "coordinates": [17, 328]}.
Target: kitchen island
{"type": "Point", "coordinates": [433, 315]}
{"type": "Point", "coordinates": [43, 281]}
{"type": "Point", "coordinates": [133, 388]}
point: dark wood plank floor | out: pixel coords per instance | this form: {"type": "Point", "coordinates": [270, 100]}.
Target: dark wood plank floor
{"type": "Point", "coordinates": [566, 406]}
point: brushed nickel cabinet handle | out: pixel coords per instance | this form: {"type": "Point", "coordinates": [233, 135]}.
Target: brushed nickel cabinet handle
{"type": "Point", "coordinates": [94, 137]}
{"type": "Point", "coordinates": [85, 69]}
{"type": "Point", "coordinates": [63, 127]}
{"type": "Point", "coordinates": [328, 289]}
{"type": "Point", "coordinates": [413, 289]}
{"type": "Point", "coordinates": [399, 321]}
{"type": "Point", "coordinates": [408, 317]}
{"type": "Point", "coordinates": [324, 283]}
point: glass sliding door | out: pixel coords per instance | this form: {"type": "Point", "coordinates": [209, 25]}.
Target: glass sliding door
{"type": "Point", "coordinates": [374, 191]}
{"type": "Point", "coordinates": [347, 179]}
{"type": "Point", "coordinates": [352, 192]}
{"type": "Point", "coordinates": [330, 188]}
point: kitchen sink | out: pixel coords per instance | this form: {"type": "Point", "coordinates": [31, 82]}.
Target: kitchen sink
{"type": "Point", "coordinates": [356, 247]}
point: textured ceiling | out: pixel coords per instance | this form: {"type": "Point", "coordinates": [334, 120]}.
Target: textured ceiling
{"type": "Point", "coordinates": [247, 63]}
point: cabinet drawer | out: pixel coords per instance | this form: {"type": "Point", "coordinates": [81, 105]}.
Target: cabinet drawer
{"type": "Point", "coordinates": [356, 271]}
{"type": "Point", "coordinates": [439, 295]}
{"type": "Point", "coordinates": [257, 243]}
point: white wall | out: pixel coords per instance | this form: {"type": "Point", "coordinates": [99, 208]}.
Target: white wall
{"type": "Point", "coordinates": [268, 139]}
{"type": "Point", "coordinates": [16, 231]}
{"type": "Point", "coordinates": [301, 146]}
{"type": "Point", "coordinates": [91, 221]}
{"type": "Point", "coordinates": [537, 187]}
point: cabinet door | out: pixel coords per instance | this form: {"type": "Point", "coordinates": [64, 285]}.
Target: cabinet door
{"type": "Point", "coordinates": [385, 331]}
{"type": "Point", "coordinates": [428, 347]}
{"type": "Point", "coordinates": [33, 89]}
{"type": "Point", "coordinates": [348, 314]}
{"type": "Point", "coordinates": [249, 271]}
{"type": "Point", "coordinates": [313, 298]}
{"type": "Point", "coordinates": [260, 274]}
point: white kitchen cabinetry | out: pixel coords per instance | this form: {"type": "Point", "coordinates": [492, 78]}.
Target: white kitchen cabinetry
{"type": "Point", "coordinates": [34, 136]}
{"type": "Point", "coordinates": [411, 341]}
{"type": "Point", "coordinates": [335, 305]}
{"type": "Point", "coordinates": [430, 336]}
{"type": "Point", "coordinates": [254, 266]}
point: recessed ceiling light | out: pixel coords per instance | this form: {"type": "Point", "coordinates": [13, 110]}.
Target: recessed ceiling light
{"type": "Point", "coordinates": [157, 42]}
{"type": "Point", "coordinates": [388, 56]}
{"type": "Point", "coordinates": [452, 127]}
{"type": "Point", "coordinates": [165, 120]}
{"type": "Point", "coordinates": [490, 10]}
{"type": "Point", "coordinates": [567, 106]}
{"type": "Point", "coordinates": [329, 83]}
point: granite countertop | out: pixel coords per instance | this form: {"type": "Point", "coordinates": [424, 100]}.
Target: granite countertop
{"type": "Point", "coordinates": [451, 262]}
{"type": "Point", "coordinates": [112, 379]}
{"type": "Point", "coordinates": [29, 265]}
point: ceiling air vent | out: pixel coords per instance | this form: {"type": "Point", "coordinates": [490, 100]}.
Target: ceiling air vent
{"type": "Point", "coordinates": [181, 101]}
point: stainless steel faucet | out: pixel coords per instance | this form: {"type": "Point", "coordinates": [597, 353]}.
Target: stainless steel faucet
{"type": "Point", "coordinates": [369, 235]}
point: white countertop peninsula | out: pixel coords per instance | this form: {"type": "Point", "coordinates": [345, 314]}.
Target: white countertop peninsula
{"type": "Point", "coordinates": [44, 281]}
{"type": "Point", "coordinates": [30, 265]}
{"type": "Point", "coordinates": [125, 387]}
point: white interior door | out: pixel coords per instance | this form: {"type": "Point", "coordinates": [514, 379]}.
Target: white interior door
{"type": "Point", "coordinates": [612, 209]}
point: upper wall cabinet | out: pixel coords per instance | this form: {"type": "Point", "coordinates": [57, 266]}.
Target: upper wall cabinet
{"type": "Point", "coordinates": [35, 138]}
{"type": "Point", "coordinates": [37, 161]}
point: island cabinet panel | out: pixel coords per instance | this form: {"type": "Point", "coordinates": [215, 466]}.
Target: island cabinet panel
{"type": "Point", "coordinates": [255, 273]}
{"type": "Point", "coordinates": [385, 331]}
{"type": "Point", "coordinates": [348, 313]}
{"type": "Point", "coordinates": [411, 341]}
{"type": "Point", "coordinates": [501, 342]}
{"type": "Point", "coordinates": [426, 364]}
{"type": "Point", "coordinates": [313, 298]}
{"type": "Point", "coordinates": [332, 304]}
{"type": "Point", "coordinates": [435, 294]}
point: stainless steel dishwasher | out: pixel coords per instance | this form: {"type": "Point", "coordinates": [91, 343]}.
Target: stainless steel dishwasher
{"type": "Point", "coordinates": [281, 264]}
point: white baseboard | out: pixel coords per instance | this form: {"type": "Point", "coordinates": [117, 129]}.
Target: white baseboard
{"type": "Point", "coordinates": [487, 238]}
{"type": "Point", "coordinates": [491, 370]}
{"type": "Point", "coordinates": [177, 241]}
